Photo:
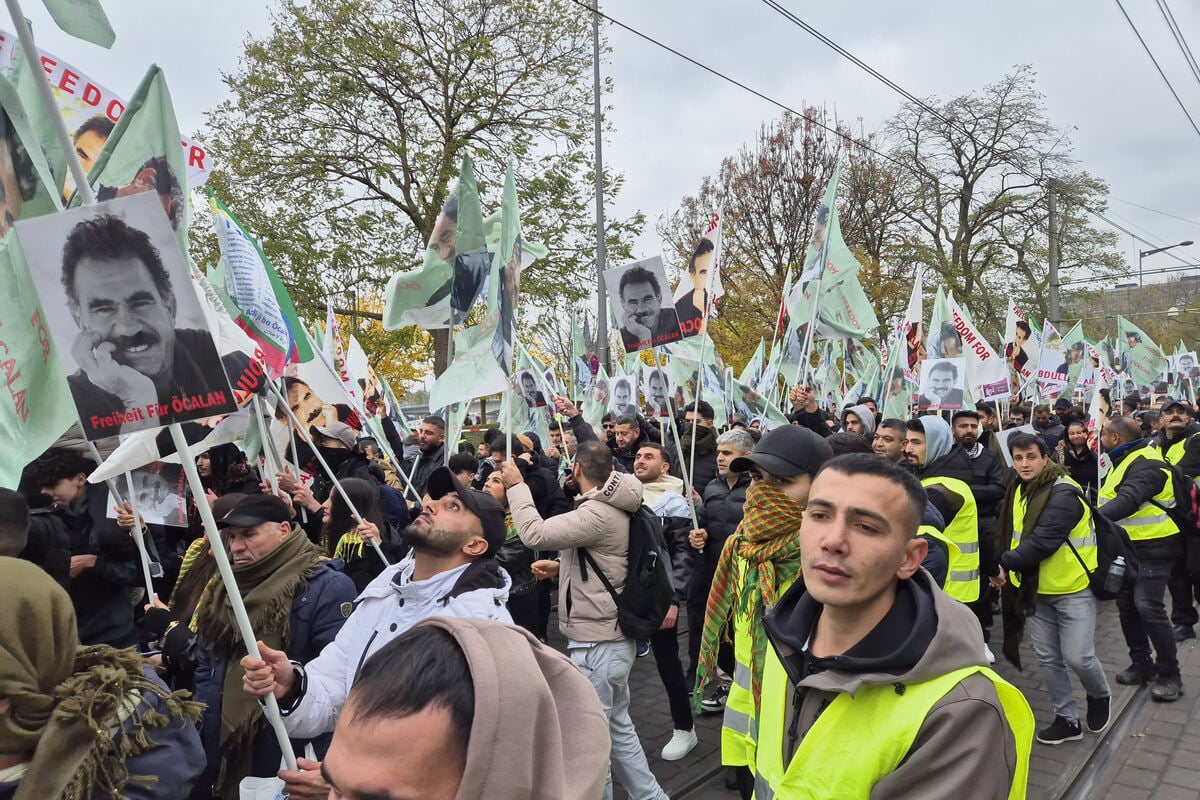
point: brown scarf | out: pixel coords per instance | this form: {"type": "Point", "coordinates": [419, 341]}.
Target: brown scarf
{"type": "Point", "coordinates": [268, 587]}
{"type": "Point", "coordinates": [767, 543]}
{"type": "Point", "coordinates": [1019, 602]}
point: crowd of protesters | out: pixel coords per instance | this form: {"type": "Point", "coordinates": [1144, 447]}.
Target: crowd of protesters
{"type": "Point", "coordinates": [839, 578]}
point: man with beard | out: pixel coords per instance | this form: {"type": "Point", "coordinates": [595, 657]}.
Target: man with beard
{"type": "Point", "coordinates": [656, 394]}
{"type": "Point", "coordinates": [451, 572]}
{"type": "Point", "coordinates": [1179, 442]}
{"type": "Point", "coordinates": [943, 467]}
{"type": "Point", "coordinates": [294, 597]}
{"type": "Point", "coordinates": [644, 322]}
{"type": "Point", "coordinates": [988, 484]}
{"type": "Point", "coordinates": [130, 354]}
{"type": "Point", "coordinates": [431, 438]}
{"type": "Point", "coordinates": [699, 421]}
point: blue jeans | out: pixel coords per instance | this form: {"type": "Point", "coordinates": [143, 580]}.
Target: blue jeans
{"type": "Point", "coordinates": [607, 666]}
{"type": "Point", "coordinates": [1144, 617]}
{"type": "Point", "coordinates": [1063, 633]}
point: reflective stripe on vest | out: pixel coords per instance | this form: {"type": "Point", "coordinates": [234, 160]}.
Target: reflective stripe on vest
{"type": "Point", "coordinates": [952, 549]}
{"type": "Point", "coordinates": [962, 579]}
{"type": "Point", "coordinates": [1060, 572]}
{"type": "Point", "coordinates": [1149, 521]}
{"type": "Point", "coordinates": [859, 740]}
{"type": "Point", "coordinates": [739, 728]}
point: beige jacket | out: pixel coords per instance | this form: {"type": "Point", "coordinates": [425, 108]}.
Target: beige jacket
{"type": "Point", "coordinates": [600, 522]}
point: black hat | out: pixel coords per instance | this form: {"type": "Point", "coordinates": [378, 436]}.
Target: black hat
{"type": "Point", "coordinates": [1062, 402]}
{"type": "Point", "coordinates": [1173, 402]}
{"type": "Point", "coordinates": [255, 509]}
{"type": "Point", "coordinates": [491, 515]}
{"type": "Point", "coordinates": [786, 451]}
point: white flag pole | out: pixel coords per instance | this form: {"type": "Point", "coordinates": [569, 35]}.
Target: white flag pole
{"type": "Point", "coordinates": [217, 547]}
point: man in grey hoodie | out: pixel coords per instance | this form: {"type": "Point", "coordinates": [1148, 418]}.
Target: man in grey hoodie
{"type": "Point", "coordinates": [861, 420]}
{"type": "Point", "coordinates": [875, 683]}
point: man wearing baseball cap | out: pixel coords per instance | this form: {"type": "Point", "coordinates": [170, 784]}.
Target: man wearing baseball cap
{"type": "Point", "coordinates": [1180, 445]}
{"type": "Point", "coordinates": [293, 595]}
{"type": "Point", "coordinates": [759, 562]}
{"type": "Point", "coordinates": [451, 572]}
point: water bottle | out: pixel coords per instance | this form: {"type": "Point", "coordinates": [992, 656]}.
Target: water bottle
{"type": "Point", "coordinates": [1116, 575]}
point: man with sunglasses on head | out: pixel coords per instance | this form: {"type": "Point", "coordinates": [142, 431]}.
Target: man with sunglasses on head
{"type": "Point", "coordinates": [758, 563]}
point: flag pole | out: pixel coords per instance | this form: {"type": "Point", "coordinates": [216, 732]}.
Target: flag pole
{"type": "Point", "coordinates": [336, 483]}
{"type": "Point", "coordinates": [217, 548]}
{"type": "Point", "coordinates": [139, 540]}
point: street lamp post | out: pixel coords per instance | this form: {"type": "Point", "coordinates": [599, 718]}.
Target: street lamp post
{"type": "Point", "coordinates": [1143, 253]}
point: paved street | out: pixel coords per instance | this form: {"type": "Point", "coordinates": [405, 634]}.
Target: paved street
{"type": "Point", "coordinates": [1149, 753]}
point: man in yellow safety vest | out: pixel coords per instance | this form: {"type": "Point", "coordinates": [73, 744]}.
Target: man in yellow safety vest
{"type": "Point", "coordinates": [1048, 561]}
{"type": "Point", "coordinates": [1179, 443]}
{"type": "Point", "coordinates": [875, 684]}
{"type": "Point", "coordinates": [1136, 494]}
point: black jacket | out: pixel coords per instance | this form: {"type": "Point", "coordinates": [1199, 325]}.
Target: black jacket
{"type": "Point", "coordinates": [1142, 482]}
{"type": "Point", "coordinates": [49, 544]}
{"type": "Point", "coordinates": [704, 468]}
{"type": "Point", "coordinates": [426, 464]}
{"type": "Point", "coordinates": [1190, 463]}
{"type": "Point", "coordinates": [1083, 468]}
{"type": "Point", "coordinates": [722, 510]}
{"type": "Point", "coordinates": [815, 421]}
{"type": "Point", "coordinates": [101, 594]}
{"type": "Point", "coordinates": [683, 556]}
{"type": "Point", "coordinates": [987, 484]}
{"type": "Point", "coordinates": [1062, 513]}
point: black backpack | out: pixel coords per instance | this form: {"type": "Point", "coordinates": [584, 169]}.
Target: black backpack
{"type": "Point", "coordinates": [1185, 514]}
{"type": "Point", "coordinates": [642, 605]}
{"type": "Point", "coordinates": [1112, 541]}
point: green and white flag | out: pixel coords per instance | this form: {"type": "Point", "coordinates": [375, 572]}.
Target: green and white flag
{"type": "Point", "coordinates": [595, 404]}
{"type": "Point", "coordinates": [142, 154]}
{"type": "Point", "coordinates": [752, 372]}
{"type": "Point", "coordinates": [83, 19]}
{"type": "Point", "coordinates": [1141, 358]}
{"type": "Point", "coordinates": [1075, 349]}
{"type": "Point", "coordinates": [897, 391]}
{"type": "Point", "coordinates": [36, 406]}
{"type": "Point", "coordinates": [987, 373]}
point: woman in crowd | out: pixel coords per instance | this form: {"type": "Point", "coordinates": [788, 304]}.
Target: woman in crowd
{"type": "Point", "coordinates": [341, 534]}
{"type": "Point", "coordinates": [1077, 457]}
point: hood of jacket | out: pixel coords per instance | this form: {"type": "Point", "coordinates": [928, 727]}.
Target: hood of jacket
{"type": "Point", "coordinates": [938, 438]}
{"type": "Point", "coordinates": [661, 491]}
{"type": "Point", "coordinates": [482, 581]}
{"type": "Point", "coordinates": [924, 635]}
{"type": "Point", "coordinates": [864, 414]}
{"type": "Point", "coordinates": [523, 685]}
{"type": "Point", "coordinates": [621, 490]}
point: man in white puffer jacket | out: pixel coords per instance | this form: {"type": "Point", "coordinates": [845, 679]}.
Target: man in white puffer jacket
{"type": "Point", "coordinates": [451, 572]}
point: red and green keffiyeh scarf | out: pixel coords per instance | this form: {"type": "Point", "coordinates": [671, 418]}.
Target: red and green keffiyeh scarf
{"type": "Point", "coordinates": [768, 548]}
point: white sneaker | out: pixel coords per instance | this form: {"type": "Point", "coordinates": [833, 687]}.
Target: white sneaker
{"type": "Point", "coordinates": [682, 743]}
{"type": "Point", "coordinates": [989, 655]}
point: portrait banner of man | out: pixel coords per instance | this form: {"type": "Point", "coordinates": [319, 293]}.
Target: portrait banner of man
{"type": "Point", "coordinates": [639, 298]}
{"type": "Point", "coordinates": [160, 493]}
{"type": "Point", "coordinates": [656, 386]}
{"type": "Point", "coordinates": [624, 396]}
{"type": "Point", "coordinates": [128, 327]}
{"type": "Point", "coordinates": [527, 384]}
{"type": "Point", "coordinates": [942, 382]}
{"type": "Point", "coordinates": [1186, 365]}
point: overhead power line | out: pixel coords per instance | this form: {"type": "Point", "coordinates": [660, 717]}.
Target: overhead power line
{"type": "Point", "coordinates": [841, 134]}
{"type": "Point", "coordinates": [1161, 74]}
{"type": "Point", "coordinates": [1180, 41]}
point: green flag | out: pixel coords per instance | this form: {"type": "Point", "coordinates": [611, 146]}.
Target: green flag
{"type": "Point", "coordinates": [753, 370]}
{"type": "Point", "coordinates": [1141, 358]}
{"type": "Point", "coordinates": [31, 193]}
{"type": "Point", "coordinates": [143, 154]}
{"type": "Point", "coordinates": [897, 392]}
{"type": "Point", "coordinates": [846, 311]}
{"type": "Point", "coordinates": [36, 406]}
{"type": "Point", "coordinates": [595, 405]}
{"type": "Point", "coordinates": [83, 19]}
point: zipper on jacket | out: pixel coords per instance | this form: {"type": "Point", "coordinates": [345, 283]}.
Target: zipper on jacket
{"type": "Point", "coordinates": [363, 657]}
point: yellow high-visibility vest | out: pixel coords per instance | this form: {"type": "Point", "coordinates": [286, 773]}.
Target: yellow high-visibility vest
{"type": "Point", "coordinates": [962, 579]}
{"type": "Point", "coordinates": [1061, 573]}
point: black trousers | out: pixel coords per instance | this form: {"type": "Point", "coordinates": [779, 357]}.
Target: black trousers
{"type": "Point", "coordinates": [665, 643]}
{"type": "Point", "coordinates": [1144, 617]}
{"type": "Point", "coordinates": [697, 601]}
{"type": "Point", "coordinates": [1184, 591]}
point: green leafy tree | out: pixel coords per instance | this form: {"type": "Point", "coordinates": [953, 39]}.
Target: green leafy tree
{"type": "Point", "coordinates": [349, 118]}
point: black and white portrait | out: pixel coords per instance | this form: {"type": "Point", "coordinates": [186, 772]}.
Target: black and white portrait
{"type": "Point", "coordinates": [623, 396]}
{"type": "Point", "coordinates": [656, 386]}
{"type": "Point", "coordinates": [942, 381]}
{"type": "Point", "coordinates": [640, 299]}
{"type": "Point", "coordinates": [129, 329]}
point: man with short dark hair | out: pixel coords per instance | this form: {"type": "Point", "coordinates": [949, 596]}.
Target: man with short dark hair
{"type": "Point", "coordinates": [1179, 442]}
{"type": "Point", "coordinates": [452, 572]}
{"type": "Point", "coordinates": [425, 719]}
{"type": "Point", "coordinates": [663, 494]}
{"type": "Point", "coordinates": [129, 352]}
{"type": "Point", "coordinates": [1018, 416]}
{"type": "Point", "coordinates": [431, 438]}
{"type": "Point", "coordinates": [759, 561]}
{"type": "Point", "coordinates": [889, 440]}
{"type": "Point", "coordinates": [629, 436]}
{"type": "Point", "coordinates": [874, 683]}
{"type": "Point", "coordinates": [1049, 558]}
{"type": "Point", "coordinates": [1135, 494]}
{"type": "Point", "coordinates": [988, 484]}
{"type": "Point", "coordinates": [587, 615]}
{"type": "Point", "coordinates": [1047, 425]}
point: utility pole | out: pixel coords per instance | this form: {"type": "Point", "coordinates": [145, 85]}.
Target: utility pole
{"type": "Point", "coordinates": [1054, 246]}
{"type": "Point", "coordinates": [601, 300]}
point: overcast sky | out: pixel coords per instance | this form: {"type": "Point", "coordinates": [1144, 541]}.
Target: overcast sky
{"type": "Point", "coordinates": [674, 122]}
